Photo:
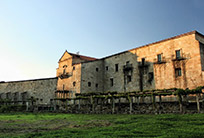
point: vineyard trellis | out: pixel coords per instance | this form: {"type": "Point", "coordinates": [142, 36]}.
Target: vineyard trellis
{"type": "Point", "coordinates": [94, 97]}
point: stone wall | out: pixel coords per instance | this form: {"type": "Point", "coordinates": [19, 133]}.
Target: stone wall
{"type": "Point", "coordinates": [130, 76]}
{"type": "Point", "coordinates": [92, 76]}
{"type": "Point", "coordinates": [69, 76]}
{"type": "Point", "coordinates": [140, 68]}
{"type": "Point", "coordinates": [43, 90]}
{"type": "Point", "coordinates": [164, 72]}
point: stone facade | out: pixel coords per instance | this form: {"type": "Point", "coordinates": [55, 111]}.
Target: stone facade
{"type": "Point", "coordinates": [188, 62]}
{"type": "Point", "coordinates": [177, 62]}
{"type": "Point", "coordinates": [42, 90]}
{"type": "Point", "coordinates": [69, 75]}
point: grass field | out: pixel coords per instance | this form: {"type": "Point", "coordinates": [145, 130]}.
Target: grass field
{"type": "Point", "coordinates": [48, 125]}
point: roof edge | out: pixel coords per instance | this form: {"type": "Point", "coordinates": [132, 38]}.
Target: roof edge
{"type": "Point", "coordinates": [174, 37]}
{"type": "Point", "coordinates": [29, 80]}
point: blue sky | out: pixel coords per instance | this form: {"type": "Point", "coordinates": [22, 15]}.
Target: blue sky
{"type": "Point", "coordinates": [35, 33]}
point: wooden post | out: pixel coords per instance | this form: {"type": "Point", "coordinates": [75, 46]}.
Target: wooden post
{"type": "Point", "coordinates": [180, 103]}
{"type": "Point", "coordinates": [118, 104]}
{"type": "Point", "coordinates": [27, 105]}
{"type": "Point", "coordinates": [102, 103]}
{"type": "Point", "coordinates": [92, 103]}
{"type": "Point", "coordinates": [113, 105]}
{"type": "Point", "coordinates": [66, 104]}
{"type": "Point", "coordinates": [79, 106]}
{"type": "Point", "coordinates": [198, 103]}
{"type": "Point", "coordinates": [160, 103]}
{"type": "Point", "coordinates": [130, 105]}
{"type": "Point", "coordinates": [160, 100]}
{"type": "Point", "coordinates": [153, 102]}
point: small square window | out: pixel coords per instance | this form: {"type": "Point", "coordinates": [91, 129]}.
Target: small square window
{"type": "Point", "coordinates": [73, 68]}
{"type": "Point", "coordinates": [159, 58]}
{"type": "Point", "coordinates": [178, 72]}
{"type": "Point", "coordinates": [89, 84]}
{"type": "Point", "coordinates": [107, 68]}
{"type": "Point", "coordinates": [178, 54]}
{"type": "Point", "coordinates": [97, 69]}
{"type": "Point", "coordinates": [96, 85]}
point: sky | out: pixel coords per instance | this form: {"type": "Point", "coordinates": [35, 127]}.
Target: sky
{"type": "Point", "coordinates": [35, 33]}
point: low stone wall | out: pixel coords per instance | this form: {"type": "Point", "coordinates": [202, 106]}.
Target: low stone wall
{"type": "Point", "coordinates": [42, 91]}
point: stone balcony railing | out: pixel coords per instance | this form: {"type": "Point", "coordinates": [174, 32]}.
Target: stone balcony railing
{"type": "Point", "coordinates": [182, 57]}
{"type": "Point", "coordinates": [65, 75]}
{"type": "Point", "coordinates": [163, 60]}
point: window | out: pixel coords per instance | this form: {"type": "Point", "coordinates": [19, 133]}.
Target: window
{"type": "Point", "coordinates": [143, 61]}
{"type": "Point", "coordinates": [111, 82]}
{"type": "Point", "coordinates": [159, 58]}
{"type": "Point", "coordinates": [73, 68]}
{"type": "Point", "coordinates": [107, 68]}
{"type": "Point", "coordinates": [64, 71]}
{"type": "Point", "coordinates": [150, 77]}
{"type": "Point", "coordinates": [63, 87]}
{"type": "Point", "coordinates": [127, 62]}
{"type": "Point", "coordinates": [178, 54]}
{"type": "Point", "coordinates": [74, 83]}
{"type": "Point", "coordinates": [129, 78]}
{"type": "Point", "coordinates": [178, 72]}
{"type": "Point", "coordinates": [96, 85]}
{"type": "Point", "coordinates": [97, 69]}
{"type": "Point", "coordinates": [89, 84]}
{"type": "Point", "coordinates": [116, 67]}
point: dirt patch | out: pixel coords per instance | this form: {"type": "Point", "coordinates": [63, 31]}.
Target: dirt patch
{"type": "Point", "coordinates": [29, 127]}
{"type": "Point", "coordinates": [93, 123]}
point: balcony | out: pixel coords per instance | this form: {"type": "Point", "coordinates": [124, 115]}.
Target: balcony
{"type": "Point", "coordinates": [65, 75]}
{"type": "Point", "coordinates": [178, 58]}
{"type": "Point", "coordinates": [162, 61]}
{"type": "Point", "coordinates": [127, 67]}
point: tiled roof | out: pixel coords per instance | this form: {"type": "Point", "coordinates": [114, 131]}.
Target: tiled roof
{"type": "Point", "coordinates": [83, 57]}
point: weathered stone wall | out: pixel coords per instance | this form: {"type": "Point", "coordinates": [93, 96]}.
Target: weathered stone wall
{"type": "Point", "coordinates": [92, 76]}
{"type": "Point", "coordinates": [128, 66]}
{"type": "Point", "coordinates": [164, 72]}
{"type": "Point", "coordinates": [43, 90]}
{"type": "Point", "coordinates": [145, 71]}
{"type": "Point", "coordinates": [69, 76]}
